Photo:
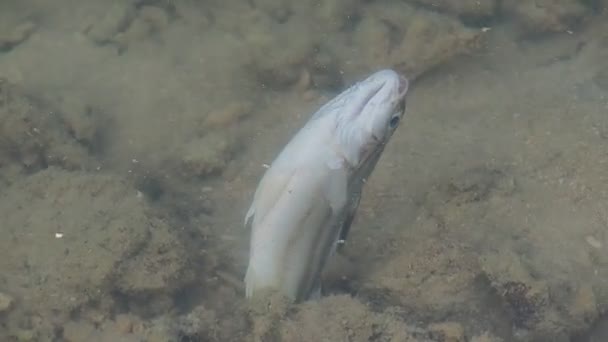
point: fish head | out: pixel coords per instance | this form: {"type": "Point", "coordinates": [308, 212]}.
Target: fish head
{"type": "Point", "coordinates": [372, 110]}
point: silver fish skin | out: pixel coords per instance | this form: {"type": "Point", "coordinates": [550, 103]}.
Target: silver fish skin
{"type": "Point", "coordinates": [306, 200]}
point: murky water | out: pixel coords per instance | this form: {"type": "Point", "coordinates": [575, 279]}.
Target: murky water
{"type": "Point", "coordinates": [133, 135]}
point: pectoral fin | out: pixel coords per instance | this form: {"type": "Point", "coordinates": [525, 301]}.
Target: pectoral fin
{"type": "Point", "coordinates": [270, 189]}
{"type": "Point", "coordinates": [338, 195]}
{"type": "Point", "coordinates": [348, 220]}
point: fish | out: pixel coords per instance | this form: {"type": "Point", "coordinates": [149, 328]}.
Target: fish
{"type": "Point", "coordinates": [306, 200]}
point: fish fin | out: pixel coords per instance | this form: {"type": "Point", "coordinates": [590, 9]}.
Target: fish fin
{"type": "Point", "coordinates": [337, 194]}
{"type": "Point", "coordinates": [269, 191]}
{"type": "Point", "coordinates": [348, 220]}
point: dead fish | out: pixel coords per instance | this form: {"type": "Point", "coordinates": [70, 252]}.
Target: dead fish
{"type": "Point", "coordinates": [305, 203]}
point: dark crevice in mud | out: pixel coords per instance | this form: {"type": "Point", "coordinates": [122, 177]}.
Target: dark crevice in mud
{"type": "Point", "coordinates": [97, 144]}
{"type": "Point", "coordinates": [40, 165]}
{"type": "Point", "coordinates": [379, 299]}
{"type": "Point", "coordinates": [175, 200]}
{"type": "Point", "coordinates": [188, 297]}
{"type": "Point", "coordinates": [513, 302]}
{"type": "Point", "coordinates": [146, 305]}
{"type": "Point", "coordinates": [340, 286]}
{"type": "Point", "coordinates": [151, 187]}
{"type": "Point", "coordinates": [494, 313]}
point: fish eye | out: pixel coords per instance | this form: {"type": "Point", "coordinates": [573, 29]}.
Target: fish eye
{"type": "Point", "coordinates": [394, 122]}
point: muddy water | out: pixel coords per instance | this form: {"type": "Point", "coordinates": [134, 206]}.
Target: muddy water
{"type": "Point", "coordinates": [133, 134]}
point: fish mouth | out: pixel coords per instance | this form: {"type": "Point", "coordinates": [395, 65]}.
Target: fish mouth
{"type": "Point", "coordinates": [385, 87]}
{"type": "Point", "coordinates": [370, 92]}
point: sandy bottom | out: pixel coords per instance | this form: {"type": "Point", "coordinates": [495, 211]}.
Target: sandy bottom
{"type": "Point", "coordinates": [133, 134]}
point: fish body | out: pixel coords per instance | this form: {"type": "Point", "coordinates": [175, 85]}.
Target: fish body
{"type": "Point", "coordinates": [306, 201]}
